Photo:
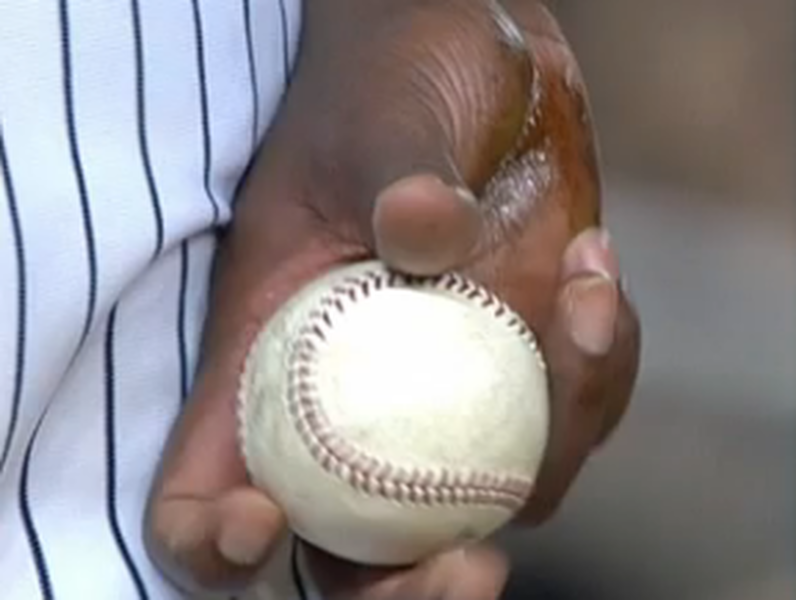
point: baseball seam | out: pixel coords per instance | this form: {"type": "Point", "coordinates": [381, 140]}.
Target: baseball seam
{"type": "Point", "coordinates": [370, 474]}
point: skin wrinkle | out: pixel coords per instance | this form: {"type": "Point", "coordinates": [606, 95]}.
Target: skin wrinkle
{"type": "Point", "coordinates": [524, 176]}
{"type": "Point", "coordinates": [521, 176]}
{"type": "Point", "coordinates": [509, 195]}
{"type": "Point", "coordinates": [523, 179]}
{"type": "Point", "coordinates": [508, 40]}
{"type": "Point", "coordinates": [438, 90]}
{"type": "Point", "coordinates": [445, 76]}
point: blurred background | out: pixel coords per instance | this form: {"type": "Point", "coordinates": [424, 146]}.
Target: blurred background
{"type": "Point", "coordinates": [695, 497]}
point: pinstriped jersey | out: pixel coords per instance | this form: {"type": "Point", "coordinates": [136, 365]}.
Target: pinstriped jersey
{"type": "Point", "coordinates": [125, 127]}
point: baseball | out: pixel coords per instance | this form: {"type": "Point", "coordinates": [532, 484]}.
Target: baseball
{"type": "Point", "coordinates": [393, 417]}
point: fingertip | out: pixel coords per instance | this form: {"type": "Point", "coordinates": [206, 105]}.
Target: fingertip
{"type": "Point", "coordinates": [204, 544]}
{"type": "Point", "coordinates": [591, 251]}
{"type": "Point", "coordinates": [590, 306]}
{"type": "Point", "coordinates": [250, 526]}
{"type": "Point", "coordinates": [178, 532]}
{"type": "Point", "coordinates": [425, 227]}
{"type": "Point", "coordinates": [589, 297]}
{"type": "Point", "coordinates": [475, 573]}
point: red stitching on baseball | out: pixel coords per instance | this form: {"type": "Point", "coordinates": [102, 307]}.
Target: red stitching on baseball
{"type": "Point", "coordinates": [370, 474]}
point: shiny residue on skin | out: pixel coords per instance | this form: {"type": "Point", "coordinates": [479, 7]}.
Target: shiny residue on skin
{"type": "Point", "coordinates": [514, 192]}
{"type": "Point", "coordinates": [522, 180]}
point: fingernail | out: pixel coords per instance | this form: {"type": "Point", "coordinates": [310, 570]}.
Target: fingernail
{"type": "Point", "coordinates": [627, 290]}
{"type": "Point", "coordinates": [466, 195]}
{"type": "Point", "coordinates": [591, 252]}
{"type": "Point", "coordinates": [592, 305]}
{"type": "Point", "coordinates": [245, 549]}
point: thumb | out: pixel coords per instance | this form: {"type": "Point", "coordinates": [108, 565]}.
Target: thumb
{"type": "Point", "coordinates": [423, 226]}
{"type": "Point", "coordinates": [459, 111]}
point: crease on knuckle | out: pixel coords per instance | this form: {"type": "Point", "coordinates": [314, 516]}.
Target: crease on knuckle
{"type": "Point", "coordinates": [475, 80]}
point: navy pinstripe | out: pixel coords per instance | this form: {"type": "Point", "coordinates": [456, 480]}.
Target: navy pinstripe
{"type": "Point", "coordinates": [204, 105]}
{"type": "Point", "coordinates": [285, 42]}
{"type": "Point", "coordinates": [22, 317]}
{"type": "Point", "coordinates": [77, 166]}
{"type": "Point", "coordinates": [295, 571]}
{"type": "Point", "coordinates": [140, 89]}
{"type": "Point", "coordinates": [182, 347]}
{"type": "Point", "coordinates": [31, 533]}
{"type": "Point", "coordinates": [110, 449]}
{"type": "Point", "coordinates": [247, 17]}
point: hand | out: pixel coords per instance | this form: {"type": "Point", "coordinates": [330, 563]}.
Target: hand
{"type": "Point", "coordinates": [434, 135]}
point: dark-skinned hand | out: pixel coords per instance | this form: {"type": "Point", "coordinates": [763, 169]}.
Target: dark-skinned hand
{"type": "Point", "coordinates": [434, 135]}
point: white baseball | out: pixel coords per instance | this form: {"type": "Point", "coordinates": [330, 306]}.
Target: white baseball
{"type": "Point", "coordinates": [393, 417]}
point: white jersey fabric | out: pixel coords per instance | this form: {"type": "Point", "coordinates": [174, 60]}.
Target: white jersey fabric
{"type": "Point", "coordinates": [125, 128]}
